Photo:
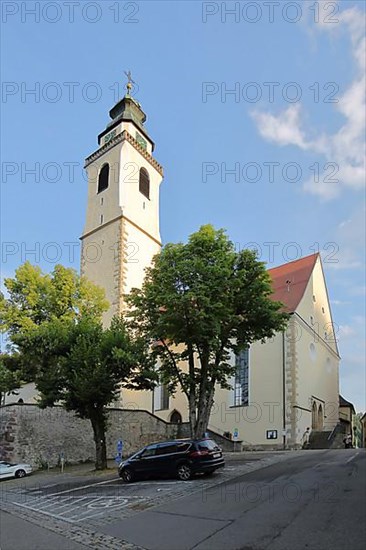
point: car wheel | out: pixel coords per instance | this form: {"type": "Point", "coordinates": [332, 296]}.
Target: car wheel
{"type": "Point", "coordinates": [20, 473]}
{"type": "Point", "coordinates": [127, 475]}
{"type": "Point", "coordinates": [184, 472]}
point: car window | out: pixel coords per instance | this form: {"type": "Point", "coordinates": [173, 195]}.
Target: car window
{"type": "Point", "coordinates": [166, 449]}
{"type": "Point", "coordinates": [207, 445]}
{"type": "Point", "coordinates": [183, 447]}
{"type": "Point", "coordinates": [149, 451]}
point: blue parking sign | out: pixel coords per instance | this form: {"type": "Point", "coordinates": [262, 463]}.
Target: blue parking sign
{"type": "Point", "coordinates": [118, 458]}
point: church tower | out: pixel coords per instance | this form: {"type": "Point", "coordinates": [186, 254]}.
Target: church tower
{"type": "Point", "coordinates": [121, 233]}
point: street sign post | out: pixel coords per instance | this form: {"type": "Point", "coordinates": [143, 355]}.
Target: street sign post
{"type": "Point", "coordinates": [235, 437]}
{"type": "Point", "coordinates": [118, 458]}
{"type": "Point", "coordinates": [62, 461]}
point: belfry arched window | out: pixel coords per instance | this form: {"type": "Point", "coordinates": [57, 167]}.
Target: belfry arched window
{"type": "Point", "coordinates": [103, 178]}
{"type": "Point", "coordinates": [144, 183]}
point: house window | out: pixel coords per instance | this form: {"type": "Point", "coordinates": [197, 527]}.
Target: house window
{"type": "Point", "coordinates": [103, 179]}
{"type": "Point", "coordinates": [144, 183]}
{"type": "Point", "coordinates": [161, 398]}
{"type": "Point", "coordinates": [312, 351]}
{"type": "Point", "coordinates": [164, 400]}
{"type": "Point", "coordinates": [241, 387]}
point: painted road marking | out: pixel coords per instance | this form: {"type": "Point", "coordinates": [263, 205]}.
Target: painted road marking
{"type": "Point", "coordinates": [352, 458]}
{"type": "Point", "coordinates": [106, 503]}
{"type": "Point", "coordinates": [87, 507]}
{"type": "Point", "coordinates": [83, 487]}
{"type": "Point", "coordinates": [112, 482]}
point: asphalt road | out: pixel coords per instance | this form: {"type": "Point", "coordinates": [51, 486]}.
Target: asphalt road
{"type": "Point", "coordinates": [314, 501]}
{"type": "Point", "coordinates": [305, 500]}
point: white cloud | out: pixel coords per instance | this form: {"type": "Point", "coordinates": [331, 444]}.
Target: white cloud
{"type": "Point", "coordinates": [350, 243]}
{"type": "Point", "coordinates": [283, 129]}
{"type": "Point", "coordinates": [345, 331]}
{"type": "Point", "coordinates": [339, 303]}
{"type": "Point", "coordinates": [344, 147]}
{"type": "Point", "coordinates": [358, 291]}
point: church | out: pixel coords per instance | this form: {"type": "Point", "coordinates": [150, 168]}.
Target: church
{"type": "Point", "coordinates": [284, 389]}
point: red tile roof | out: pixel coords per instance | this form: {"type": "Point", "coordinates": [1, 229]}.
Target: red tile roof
{"type": "Point", "coordinates": [289, 281]}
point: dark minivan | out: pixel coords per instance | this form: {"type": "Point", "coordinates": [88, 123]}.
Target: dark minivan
{"type": "Point", "coordinates": [181, 457]}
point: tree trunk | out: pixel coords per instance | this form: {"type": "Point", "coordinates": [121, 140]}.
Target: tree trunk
{"type": "Point", "coordinates": [203, 413]}
{"type": "Point", "coordinates": [192, 393]}
{"type": "Point", "coordinates": [192, 414]}
{"type": "Point", "coordinates": [205, 393]}
{"type": "Point", "coordinates": [98, 423]}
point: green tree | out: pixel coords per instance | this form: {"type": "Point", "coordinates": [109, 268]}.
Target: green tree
{"type": "Point", "coordinates": [35, 297]}
{"type": "Point", "coordinates": [53, 324]}
{"type": "Point", "coordinates": [357, 429]}
{"type": "Point", "coordinates": [200, 302]}
{"type": "Point", "coordinates": [83, 367]}
{"type": "Point", "coordinates": [10, 376]}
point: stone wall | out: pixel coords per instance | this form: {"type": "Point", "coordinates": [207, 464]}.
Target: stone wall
{"type": "Point", "coordinates": [39, 436]}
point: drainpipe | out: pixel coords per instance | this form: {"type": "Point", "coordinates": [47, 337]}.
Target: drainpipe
{"type": "Point", "coordinates": [283, 390]}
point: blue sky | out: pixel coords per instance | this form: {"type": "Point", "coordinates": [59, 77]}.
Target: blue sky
{"type": "Point", "coordinates": [297, 114]}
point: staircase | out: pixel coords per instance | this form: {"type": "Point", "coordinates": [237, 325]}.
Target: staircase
{"type": "Point", "coordinates": [319, 440]}
{"type": "Point", "coordinates": [327, 440]}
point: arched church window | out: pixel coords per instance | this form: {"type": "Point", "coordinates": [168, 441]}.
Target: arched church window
{"type": "Point", "coordinates": [144, 183]}
{"type": "Point", "coordinates": [103, 179]}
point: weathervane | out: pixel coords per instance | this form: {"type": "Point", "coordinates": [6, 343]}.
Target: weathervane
{"type": "Point", "coordinates": [130, 81]}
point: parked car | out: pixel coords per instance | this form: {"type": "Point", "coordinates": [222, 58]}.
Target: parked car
{"type": "Point", "coordinates": [182, 458]}
{"type": "Point", "coordinates": [8, 470]}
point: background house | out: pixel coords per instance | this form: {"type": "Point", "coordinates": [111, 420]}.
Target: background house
{"type": "Point", "coordinates": [363, 430]}
{"type": "Point", "coordinates": [346, 412]}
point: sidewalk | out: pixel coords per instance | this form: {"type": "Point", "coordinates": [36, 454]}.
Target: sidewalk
{"type": "Point", "coordinates": [12, 536]}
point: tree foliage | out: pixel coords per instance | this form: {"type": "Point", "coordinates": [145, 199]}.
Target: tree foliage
{"type": "Point", "coordinates": [53, 324]}
{"type": "Point", "coordinates": [83, 367]}
{"type": "Point", "coordinates": [200, 303]}
{"type": "Point", "coordinates": [10, 376]}
{"type": "Point", "coordinates": [36, 297]}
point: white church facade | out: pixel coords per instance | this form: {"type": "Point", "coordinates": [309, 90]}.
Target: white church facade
{"type": "Point", "coordinates": [284, 387]}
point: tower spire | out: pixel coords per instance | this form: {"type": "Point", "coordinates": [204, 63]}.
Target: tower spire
{"type": "Point", "coordinates": [129, 82]}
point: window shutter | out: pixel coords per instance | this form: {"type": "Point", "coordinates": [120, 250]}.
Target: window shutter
{"type": "Point", "coordinates": [144, 183]}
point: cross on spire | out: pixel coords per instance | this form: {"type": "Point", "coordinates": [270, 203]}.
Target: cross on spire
{"type": "Point", "coordinates": [129, 81]}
